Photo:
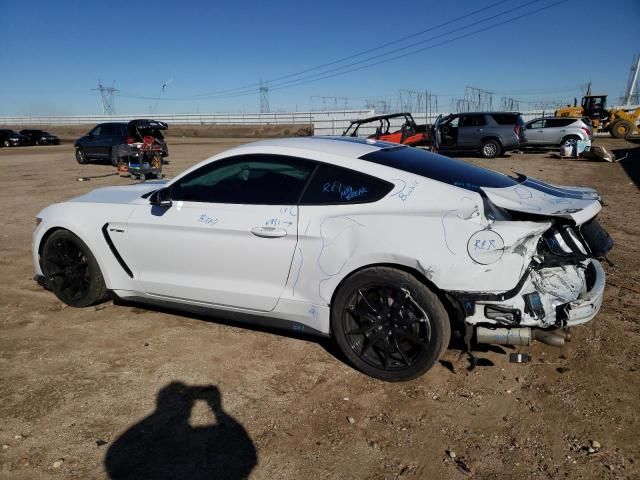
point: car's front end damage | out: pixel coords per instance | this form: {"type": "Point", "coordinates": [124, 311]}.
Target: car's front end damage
{"type": "Point", "coordinates": [555, 231]}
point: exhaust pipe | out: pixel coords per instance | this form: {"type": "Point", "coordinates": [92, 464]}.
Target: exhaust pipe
{"type": "Point", "coordinates": [550, 337]}
{"type": "Point", "coordinates": [520, 336]}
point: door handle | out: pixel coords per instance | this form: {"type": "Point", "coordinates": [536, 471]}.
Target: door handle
{"type": "Point", "coordinates": [478, 129]}
{"type": "Point", "coordinates": [268, 232]}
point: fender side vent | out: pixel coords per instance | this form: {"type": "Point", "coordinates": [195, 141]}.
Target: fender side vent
{"type": "Point", "coordinates": [115, 252]}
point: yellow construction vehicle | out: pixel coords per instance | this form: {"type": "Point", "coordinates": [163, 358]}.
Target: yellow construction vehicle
{"type": "Point", "coordinates": [620, 123]}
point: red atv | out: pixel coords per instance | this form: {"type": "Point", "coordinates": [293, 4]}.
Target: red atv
{"type": "Point", "coordinates": [408, 134]}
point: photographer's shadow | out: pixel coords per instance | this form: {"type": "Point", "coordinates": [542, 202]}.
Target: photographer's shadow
{"type": "Point", "coordinates": [165, 446]}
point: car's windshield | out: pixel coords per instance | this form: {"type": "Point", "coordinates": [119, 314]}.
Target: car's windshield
{"type": "Point", "coordinates": [441, 168]}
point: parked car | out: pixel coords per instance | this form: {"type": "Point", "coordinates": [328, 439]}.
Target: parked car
{"type": "Point", "coordinates": [11, 138]}
{"type": "Point", "coordinates": [40, 137]}
{"type": "Point", "coordinates": [384, 247]}
{"type": "Point", "coordinates": [490, 133]}
{"type": "Point", "coordinates": [103, 142]}
{"type": "Point", "coordinates": [556, 131]}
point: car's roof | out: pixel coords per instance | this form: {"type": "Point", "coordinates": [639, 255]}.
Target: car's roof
{"type": "Point", "coordinates": [554, 118]}
{"type": "Point", "coordinates": [345, 146]}
{"type": "Point", "coordinates": [381, 117]}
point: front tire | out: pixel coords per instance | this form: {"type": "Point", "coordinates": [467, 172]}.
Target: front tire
{"type": "Point", "coordinates": [621, 129]}
{"type": "Point", "coordinates": [71, 270]}
{"type": "Point", "coordinates": [491, 149]}
{"type": "Point", "coordinates": [7, 143]}
{"type": "Point", "coordinates": [81, 157]}
{"type": "Point", "coordinates": [389, 324]}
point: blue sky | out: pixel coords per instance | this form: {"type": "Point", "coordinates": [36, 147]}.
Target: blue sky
{"type": "Point", "coordinates": [53, 53]}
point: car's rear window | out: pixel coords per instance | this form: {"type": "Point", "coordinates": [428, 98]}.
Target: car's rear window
{"type": "Point", "coordinates": [441, 168]}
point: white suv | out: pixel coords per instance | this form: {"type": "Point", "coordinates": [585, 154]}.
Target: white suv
{"type": "Point", "coordinates": [556, 131]}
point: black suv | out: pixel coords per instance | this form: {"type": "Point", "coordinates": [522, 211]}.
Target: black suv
{"type": "Point", "coordinates": [106, 141]}
{"type": "Point", "coordinates": [9, 138]}
{"type": "Point", "coordinates": [490, 133]}
{"type": "Point", "coordinates": [40, 137]}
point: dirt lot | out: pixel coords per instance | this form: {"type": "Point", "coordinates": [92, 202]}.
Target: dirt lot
{"type": "Point", "coordinates": [115, 389]}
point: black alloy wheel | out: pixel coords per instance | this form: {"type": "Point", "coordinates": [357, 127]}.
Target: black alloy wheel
{"type": "Point", "coordinates": [71, 270]}
{"type": "Point", "coordinates": [388, 324]}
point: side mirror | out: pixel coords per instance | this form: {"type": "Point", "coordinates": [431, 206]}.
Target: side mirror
{"type": "Point", "coordinates": [161, 198]}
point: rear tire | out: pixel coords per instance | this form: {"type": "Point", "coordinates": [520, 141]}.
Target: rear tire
{"type": "Point", "coordinates": [81, 157]}
{"type": "Point", "coordinates": [388, 324]}
{"type": "Point", "coordinates": [71, 270]}
{"type": "Point", "coordinates": [7, 143]}
{"type": "Point", "coordinates": [491, 149]}
{"type": "Point", "coordinates": [621, 129]}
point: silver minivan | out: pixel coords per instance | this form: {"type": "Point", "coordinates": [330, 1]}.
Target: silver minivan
{"type": "Point", "coordinates": [556, 131]}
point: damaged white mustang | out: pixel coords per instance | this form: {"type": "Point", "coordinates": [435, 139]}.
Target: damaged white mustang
{"type": "Point", "coordinates": [384, 247]}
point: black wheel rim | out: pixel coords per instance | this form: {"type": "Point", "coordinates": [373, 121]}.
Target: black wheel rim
{"type": "Point", "coordinates": [67, 270]}
{"type": "Point", "coordinates": [386, 328]}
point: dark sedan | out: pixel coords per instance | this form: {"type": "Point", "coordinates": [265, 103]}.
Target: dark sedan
{"type": "Point", "coordinates": [40, 137]}
{"type": "Point", "coordinates": [10, 138]}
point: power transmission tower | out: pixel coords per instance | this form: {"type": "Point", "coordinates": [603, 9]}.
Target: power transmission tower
{"type": "Point", "coordinates": [411, 101]}
{"type": "Point", "coordinates": [460, 105]}
{"type": "Point", "coordinates": [510, 104]}
{"type": "Point", "coordinates": [478, 100]}
{"type": "Point", "coordinates": [630, 98]}
{"type": "Point", "coordinates": [264, 97]}
{"type": "Point", "coordinates": [107, 98]}
{"type": "Point", "coordinates": [338, 102]}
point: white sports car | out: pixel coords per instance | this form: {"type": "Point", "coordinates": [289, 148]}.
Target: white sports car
{"type": "Point", "coordinates": [384, 247]}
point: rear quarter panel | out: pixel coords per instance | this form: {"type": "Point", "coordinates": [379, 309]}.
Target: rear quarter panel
{"type": "Point", "coordinates": [422, 224]}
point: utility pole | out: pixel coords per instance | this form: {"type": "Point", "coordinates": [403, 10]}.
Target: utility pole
{"type": "Point", "coordinates": [633, 82]}
{"type": "Point", "coordinates": [264, 97]}
{"type": "Point", "coordinates": [106, 98]}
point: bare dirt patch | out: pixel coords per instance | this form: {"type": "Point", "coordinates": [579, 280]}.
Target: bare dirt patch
{"type": "Point", "coordinates": [117, 389]}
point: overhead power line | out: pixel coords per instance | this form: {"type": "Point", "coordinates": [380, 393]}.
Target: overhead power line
{"type": "Point", "coordinates": [255, 86]}
{"type": "Point", "coordinates": [376, 60]}
{"type": "Point", "coordinates": [363, 52]}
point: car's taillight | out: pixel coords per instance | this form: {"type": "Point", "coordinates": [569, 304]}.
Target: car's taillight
{"type": "Point", "coordinates": [129, 140]}
{"type": "Point", "coordinates": [517, 129]}
{"type": "Point", "coordinates": [587, 131]}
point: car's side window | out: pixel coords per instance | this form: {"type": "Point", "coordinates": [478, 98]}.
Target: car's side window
{"type": "Point", "coordinates": [96, 131]}
{"type": "Point", "coordinates": [453, 122]}
{"type": "Point", "coordinates": [332, 185]}
{"type": "Point", "coordinates": [536, 124]}
{"type": "Point", "coordinates": [110, 130]}
{"type": "Point", "coordinates": [472, 121]}
{"type": "Point", "coordinates": [246, 179]}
